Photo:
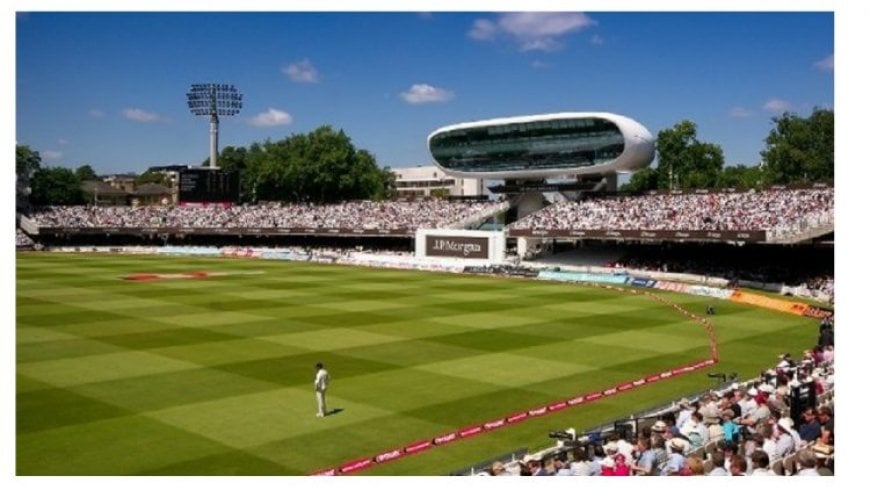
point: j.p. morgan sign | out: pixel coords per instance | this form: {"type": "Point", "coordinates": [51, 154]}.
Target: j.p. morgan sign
{"type": "Point", "coordinates": [464, 247]}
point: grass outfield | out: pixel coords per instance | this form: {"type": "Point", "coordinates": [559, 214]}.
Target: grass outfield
{"type": "Point", "coordinates": [214, 376]}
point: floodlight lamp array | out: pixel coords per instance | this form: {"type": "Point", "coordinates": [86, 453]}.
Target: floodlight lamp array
{"type": "Point", "coordinates": [214, 99]}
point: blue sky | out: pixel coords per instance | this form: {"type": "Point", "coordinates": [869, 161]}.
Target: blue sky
{"type": "Point", "coordinates": [108, 89]}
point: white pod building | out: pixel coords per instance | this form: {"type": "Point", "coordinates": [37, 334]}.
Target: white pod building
{"type": "Point", "coordinates": [544, 145]}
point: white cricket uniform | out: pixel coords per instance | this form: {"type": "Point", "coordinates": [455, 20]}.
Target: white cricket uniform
{"type": "Point", "coordinates": [321, 381]}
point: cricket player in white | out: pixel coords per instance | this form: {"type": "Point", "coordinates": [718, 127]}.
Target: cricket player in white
{"type": "Point", "coordinates": [321, 381]}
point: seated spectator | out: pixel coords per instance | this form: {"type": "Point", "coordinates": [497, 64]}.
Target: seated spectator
{"type": "Point", "coordinates": [759, 414]}
{"type": "Point", "coordinates": [549, 466]}
{"type": "Point", "coordinates": [646, 461]}
{"type": "Point", "coordinates": [826, 421]}
{"type": "Point", "coordinates": [738, 466]}
{"type": "Point", "coordinates": [767, 441]}
{"type": "Point", "coordinates": [621, 467]}
{"type": "Point", "coordinates": [660, 450]}
{"type": "Point", "coordinates": [692, 434]}
{"type": "Point", "coordinates": [534, 466]}
{"type": "Point", "coordinates": [806, 463]}
{"type": "Point", "coordinates": [761, 464]}
{"type": "Point", "coordinates": [729, 449]}
{"type": "Point", "coordinates": [497, 469]}
{"type": "Point", "coordinates": [580, 465]}
{"type": "Point", "coordinates": [694, 467]}
{"type": "Point", "coordinates": [686, 410]}
{"type": "Point", "coordinates": [810, 429]}
{"type": "Point", "coordinates": [730, 430]}
{"type": "Point", "coordinates": [598, 456]}
{"type": "Point", "coordinates": [718, 460]}
{"type": "Point", "coordinates": [676, 459]}
{"type": "Point", "coordinates": [608, 466]}
{"type": "Point", "coordinates": [785, 443]}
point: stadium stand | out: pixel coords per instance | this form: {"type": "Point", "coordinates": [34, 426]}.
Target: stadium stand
{"type": "Point", "coordinates": [780, 212]}
{"type": "Point", "coordinates": [22, 240]}
{"type": "Point", "coordinates": [386, 215]}
{"type": "Point", "coordinates": [771, 446]}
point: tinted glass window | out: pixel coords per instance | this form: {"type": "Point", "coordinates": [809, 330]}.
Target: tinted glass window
{"type": "Point", "coordinates": [559, 143]}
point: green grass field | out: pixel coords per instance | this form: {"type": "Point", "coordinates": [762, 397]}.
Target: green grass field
{"type": "Point", "coordinates": [214, 376]}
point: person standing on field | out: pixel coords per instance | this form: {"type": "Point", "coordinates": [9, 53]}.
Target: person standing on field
{"type": "Point", "coordinates": [321, 381]}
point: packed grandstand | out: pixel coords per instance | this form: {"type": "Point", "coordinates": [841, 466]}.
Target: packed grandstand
{"type": "Point", "coordinates": [366, 215]}
{"type": "Point", "coordinates": [780, 214]}
{"type": "Point", "coordinates": [761, 426]}
{"type": "Point", "coordinates": [778, 424]}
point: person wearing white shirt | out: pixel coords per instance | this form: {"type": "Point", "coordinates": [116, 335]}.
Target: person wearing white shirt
{"type": "Point", "coordinates": [321, 381]}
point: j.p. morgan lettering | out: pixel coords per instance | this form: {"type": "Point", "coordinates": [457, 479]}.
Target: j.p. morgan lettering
{"type": "Point", "coordinates": [457, 246]}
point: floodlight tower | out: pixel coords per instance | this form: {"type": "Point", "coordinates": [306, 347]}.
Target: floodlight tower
{"type": "Point", "coordinates": [214, 99]}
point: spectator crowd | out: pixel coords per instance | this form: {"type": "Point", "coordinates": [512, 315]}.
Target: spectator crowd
{"type": "Point", "coordinates": [741, 430]}
{"type": "Point", "coordinates": [385, 215]}
{"type": "Point", "coordinates": [22, 240]}
{"type": "Point", "coordinates": [780, 212]}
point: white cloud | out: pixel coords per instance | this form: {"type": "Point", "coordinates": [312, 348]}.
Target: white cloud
{"type": "Point", "coordinates": [422, 93]}
{"type": "Point", "coordinates": [739, 112]}
{"type": "Point", "coordinates": [272, 117]}
{"type": "Point", "coordinates": [483, 30]}
{"type": "Point", "coordinates": [538, 64]}
{"type": "Point", "coordinates": [777, 106]}
{"type": "Point", "coordinates": [532, 31]}
{"type": "Point", "coordinates": [51, 154]}
{"type": "Point", "coordinates": [96, 113]}
{"type": "Point", "coordinates": [302, 72]}
{"type": "Point", "coordinates": [140, 115]}
{"type": "Point", "coordinates": [62, 141]}
{"type": "Point", "coordinates": [826, 64]}
{"type": "Point", "coordinates": [597, 40]}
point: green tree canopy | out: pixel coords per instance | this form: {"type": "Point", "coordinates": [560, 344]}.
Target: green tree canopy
{"type": "Point", "coordinates": [56, 186]}
{"type": "Point", "coordinates": [85, 173]}
{"type": "Point", "coordinates": [683, 161]}
{"type": "Point", "coordinates": [740, 176]}
{"type": "Point", "coordinates": [27, 161]}
{"type": "Point", "coordinates": [645, 179]}
{"type": "Point", "coordinates": [800, 149]}
{"type": "Point", "coordinates": [151, 177]}
{"type": "Point", "coordinates": [320, 166]}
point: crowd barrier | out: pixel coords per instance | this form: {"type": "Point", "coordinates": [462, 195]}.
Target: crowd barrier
{"type": "Point", "coordinates": [649, 281]}
{"type": "Point", "coordinates": [582, 277]}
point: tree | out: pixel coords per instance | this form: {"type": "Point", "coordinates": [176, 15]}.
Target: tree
{"type": "Point", "coordinates": [320, 166]}
{"type": "Point", "coordinates": [740, 176]}
{"type": "Point", "coordinates": [685, 162]}
{"type": "Point", "coordinates": [27, 161]}
{"type": "Point", "coordinates": [56, 186]}
{"type": "Point", "coordinates": [85, 173]}
{"type": "Point", "coordinates": [151, 177]}
{"type": "Point", "coordinates": [645, 179]}
{"type": "Point", "coordinates": [233, 158]}
{"type": "Point", "coordinates": [800, 149]}
{"type": "Point", "coordinates": [386, 188]}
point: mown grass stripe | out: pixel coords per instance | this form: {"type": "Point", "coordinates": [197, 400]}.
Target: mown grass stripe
{"type": "Point", "coordinates": [192, 353]}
